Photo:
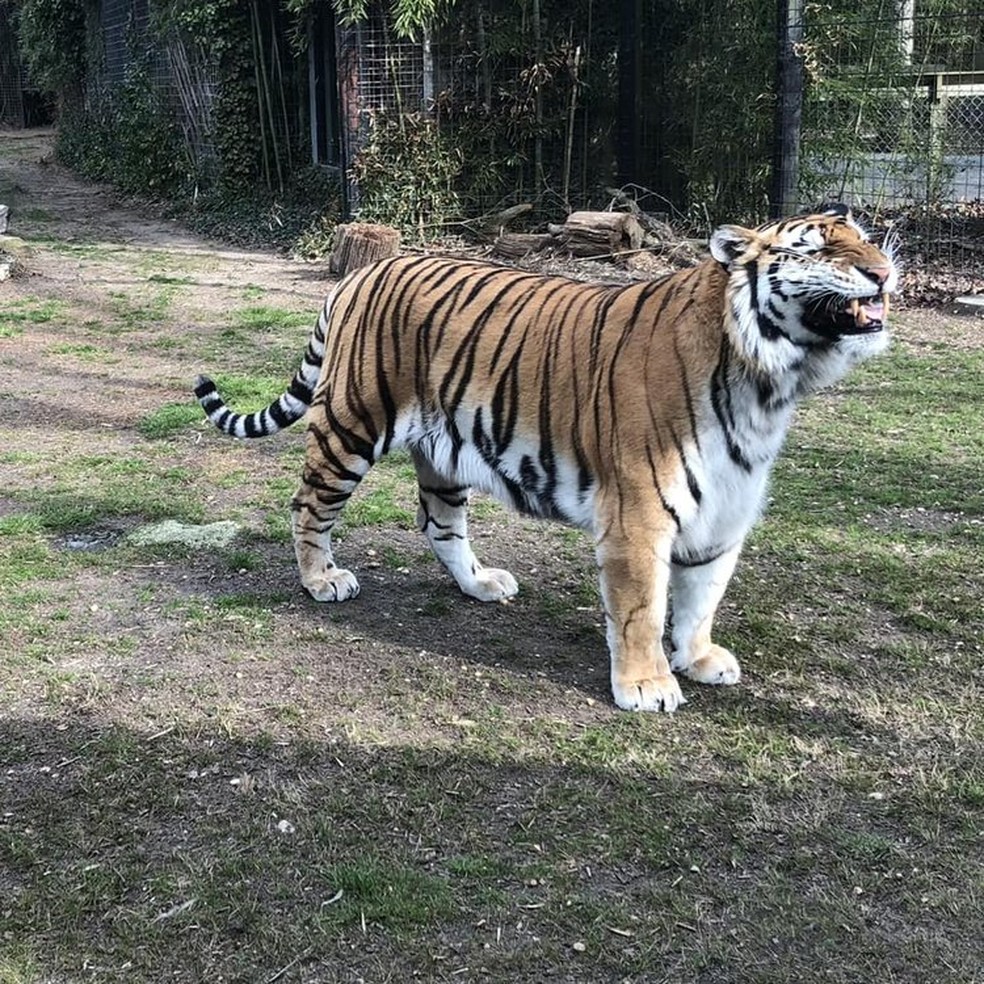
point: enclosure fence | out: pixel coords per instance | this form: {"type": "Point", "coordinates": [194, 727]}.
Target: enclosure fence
{"type": "Point", "coordinates": [894, 123]}
{"type": "Point", "coordinates": [561, 103]}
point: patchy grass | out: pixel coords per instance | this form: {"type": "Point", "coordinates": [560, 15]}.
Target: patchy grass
{"type": "Point", "coordinates": [266, 319]}
{"type": "Point", "coordinates": [143, 313]}
{"type": "Point", "coordinates": [15, 314]}
{"type": "Point", "coordinates": [170, 418]}
{"type": "Point", "coordinates": [207, 776]}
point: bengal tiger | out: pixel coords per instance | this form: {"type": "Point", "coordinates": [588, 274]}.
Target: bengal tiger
{"type": "Point", "coordinates": [648, 415]}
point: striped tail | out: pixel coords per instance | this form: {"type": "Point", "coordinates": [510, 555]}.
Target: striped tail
{"type": "Point", "coordinates": [287, 409]}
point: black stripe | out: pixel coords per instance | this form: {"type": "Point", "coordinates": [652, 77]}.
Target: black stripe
{"type": "Point", "coordinates": [687, 395]}
{"type": "Point", "coordinates": [692, 485]}
{"type": "Point", "coordinates": [281, 416]}
{"type": "Point", "coordinates": [700, 560]}
{"type": "Point", "coordinates": [300, 391]}
{"type": "Point", "coordinates": [659, 491]}
{"type": "Point", "coordinates": [505, 402]}
{"type": "Point", "coordinates": [203, 386]}
{"type": "Point", "coordinates": [722, 407]}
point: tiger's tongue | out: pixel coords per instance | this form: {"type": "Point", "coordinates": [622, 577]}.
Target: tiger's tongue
{"type": "Point", "coordinates": [871, 311]}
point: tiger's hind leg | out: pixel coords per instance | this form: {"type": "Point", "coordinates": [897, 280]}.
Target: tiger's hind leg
{"type": "Point", "coordinates": [330, 476]}
{"type": "Point", "coordinates": [442, 516]}
{"type": "Point", "coordinates": [696, 591]}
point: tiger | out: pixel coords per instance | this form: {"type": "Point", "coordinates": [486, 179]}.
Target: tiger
{"type": "Point", "coordinates": [647, 414]}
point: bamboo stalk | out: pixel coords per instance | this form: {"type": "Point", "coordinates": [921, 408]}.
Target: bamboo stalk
{"type": "Point", "coordinates": [254, 17]}
{"type": "Point", "coordinates": [538, 100]}
{"type": "Point", "coordinates": [274, 142]}
{"type": "Point", "coordinates": [278, 65]}
{"type": "Point", "coordinates": [569, 143]}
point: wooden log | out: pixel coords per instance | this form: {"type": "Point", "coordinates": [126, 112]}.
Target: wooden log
{"type": "Point", "coordinates": [599, 233]}
{"type": "Point", "coordinates": [359, 243]}
{"type": "Point", "coordinates": [515, 245]}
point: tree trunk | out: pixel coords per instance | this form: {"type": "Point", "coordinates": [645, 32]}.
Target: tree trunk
{"type": "Point", "coordinates": [358, 244]}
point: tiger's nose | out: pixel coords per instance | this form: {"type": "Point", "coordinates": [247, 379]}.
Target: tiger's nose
{"type": "Point", "coordinates": [879, 274]}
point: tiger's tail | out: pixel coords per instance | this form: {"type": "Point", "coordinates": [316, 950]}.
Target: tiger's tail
{"type": "Point", "coordinates": [287, 409]}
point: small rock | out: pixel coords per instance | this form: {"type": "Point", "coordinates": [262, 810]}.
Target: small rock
{"type": "Point", "coordinates": [15, 246]}
{"type": "Point", "coordinates": [970, 304]}
{"type": "Point", "coordinates": [203, 537]}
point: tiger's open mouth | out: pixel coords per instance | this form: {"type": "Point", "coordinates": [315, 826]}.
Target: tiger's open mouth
{"type": "Point", "coordinates": [856, 317]}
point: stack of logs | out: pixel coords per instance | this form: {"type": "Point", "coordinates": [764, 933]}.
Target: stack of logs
{"type": "Point", "coordinates": [617, 236]}
{"type": "Point", "coordinates": [611, 235]}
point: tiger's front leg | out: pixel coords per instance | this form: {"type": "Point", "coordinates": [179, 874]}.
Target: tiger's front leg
{"type": "Point", "coordinates": [696, 590]}
{"type": "Point", "coordinates": [634, 559]}
{"type": "Point", "coordinates": [330, 476]}
{"type": "Point", "coordinates": [442, 516]}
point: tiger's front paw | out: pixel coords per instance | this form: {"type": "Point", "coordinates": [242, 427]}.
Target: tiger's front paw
{"type": "Point", "coordinates": [490, 584]}
{"type": "Point", "coordinates": [717, 667]}
{"type": "Point", "coordinates": [656, 693]}
{"type": "Point", "coordinates": [334, 584]}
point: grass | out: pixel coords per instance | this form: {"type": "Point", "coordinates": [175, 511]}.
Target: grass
{"type": "Point", "coordinates": [207, 776]}
{"type": "Point", "coordinates": [91, 488]}
{"type": "Point", "coordinates": [169, 419]}
{"type": "Point", "coordinates": [144, 314]}
{"type": "Point", "coordinates": [27, 311]}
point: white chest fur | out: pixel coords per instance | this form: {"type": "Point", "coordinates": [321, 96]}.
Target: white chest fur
{"type": "Point", "coordinates": [729, 463]}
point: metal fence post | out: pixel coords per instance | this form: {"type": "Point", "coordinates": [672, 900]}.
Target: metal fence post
{"type": "Point", "coordinates": [789, 109]}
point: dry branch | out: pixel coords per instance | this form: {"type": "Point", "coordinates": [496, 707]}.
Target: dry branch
{"type": "Point", "coordinates": [489, 227]}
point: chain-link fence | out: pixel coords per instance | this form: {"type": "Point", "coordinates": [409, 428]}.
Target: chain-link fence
{"type": "Point", "coordinates": [680, 106]}
{"type": "Point", "coordinates": [558, 102]}
{"type": "Point", "coordinates": [11, 77]}
{"type": "Point", "coordinates": [140, 55]}
{"type": "Point", "coordinates": [22, 104]}
{"type": "Point", "coordinates": [894, 120]}
{"type": "Point", "coordinates": [173, 79]}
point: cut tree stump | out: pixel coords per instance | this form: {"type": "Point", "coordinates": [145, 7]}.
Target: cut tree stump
{"type": "Point", "coordinates": [359, 243]}
{"type": "Point", "coordinates": [598, 233]}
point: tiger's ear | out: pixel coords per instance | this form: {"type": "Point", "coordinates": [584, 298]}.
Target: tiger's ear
{"type": "Point", "coordinates": [836, 208]}
{"type": "Point", "coordinates": [729, 242]}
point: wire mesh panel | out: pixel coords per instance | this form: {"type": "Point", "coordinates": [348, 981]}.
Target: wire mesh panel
{"type": "Point", "coordinates": [148, 66]}
{"type": "Point", "coordinates": [190, 86]}
{"type": "Point", "coordinates": [390, 70]}
{"type": "Point", "coordinates": [670, 101]}
{"type": "Point", "coordinates": [142, 60]}
{"type": "Point", "coordinates": [894, 118]}
{"type": "Point", "coordinates": [530, 105]}
{"type": "Point", "coordinates": [11, 75]}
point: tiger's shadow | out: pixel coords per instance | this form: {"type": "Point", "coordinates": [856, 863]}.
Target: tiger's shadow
{"type": "Point", "coordinates": [545, 632]}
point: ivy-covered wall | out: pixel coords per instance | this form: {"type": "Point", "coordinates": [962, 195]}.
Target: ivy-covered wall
{"type": "Point", "coordinates": [190, 101]}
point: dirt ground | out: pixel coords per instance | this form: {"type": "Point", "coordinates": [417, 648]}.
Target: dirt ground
{"type": "Point", "coordinates": [105, 256]}
{"type": "Point", "coordinates": [98, 242]}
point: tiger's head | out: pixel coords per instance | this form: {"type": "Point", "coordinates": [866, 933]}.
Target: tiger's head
{"type": "Point", "coordinates": [806, 283]}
